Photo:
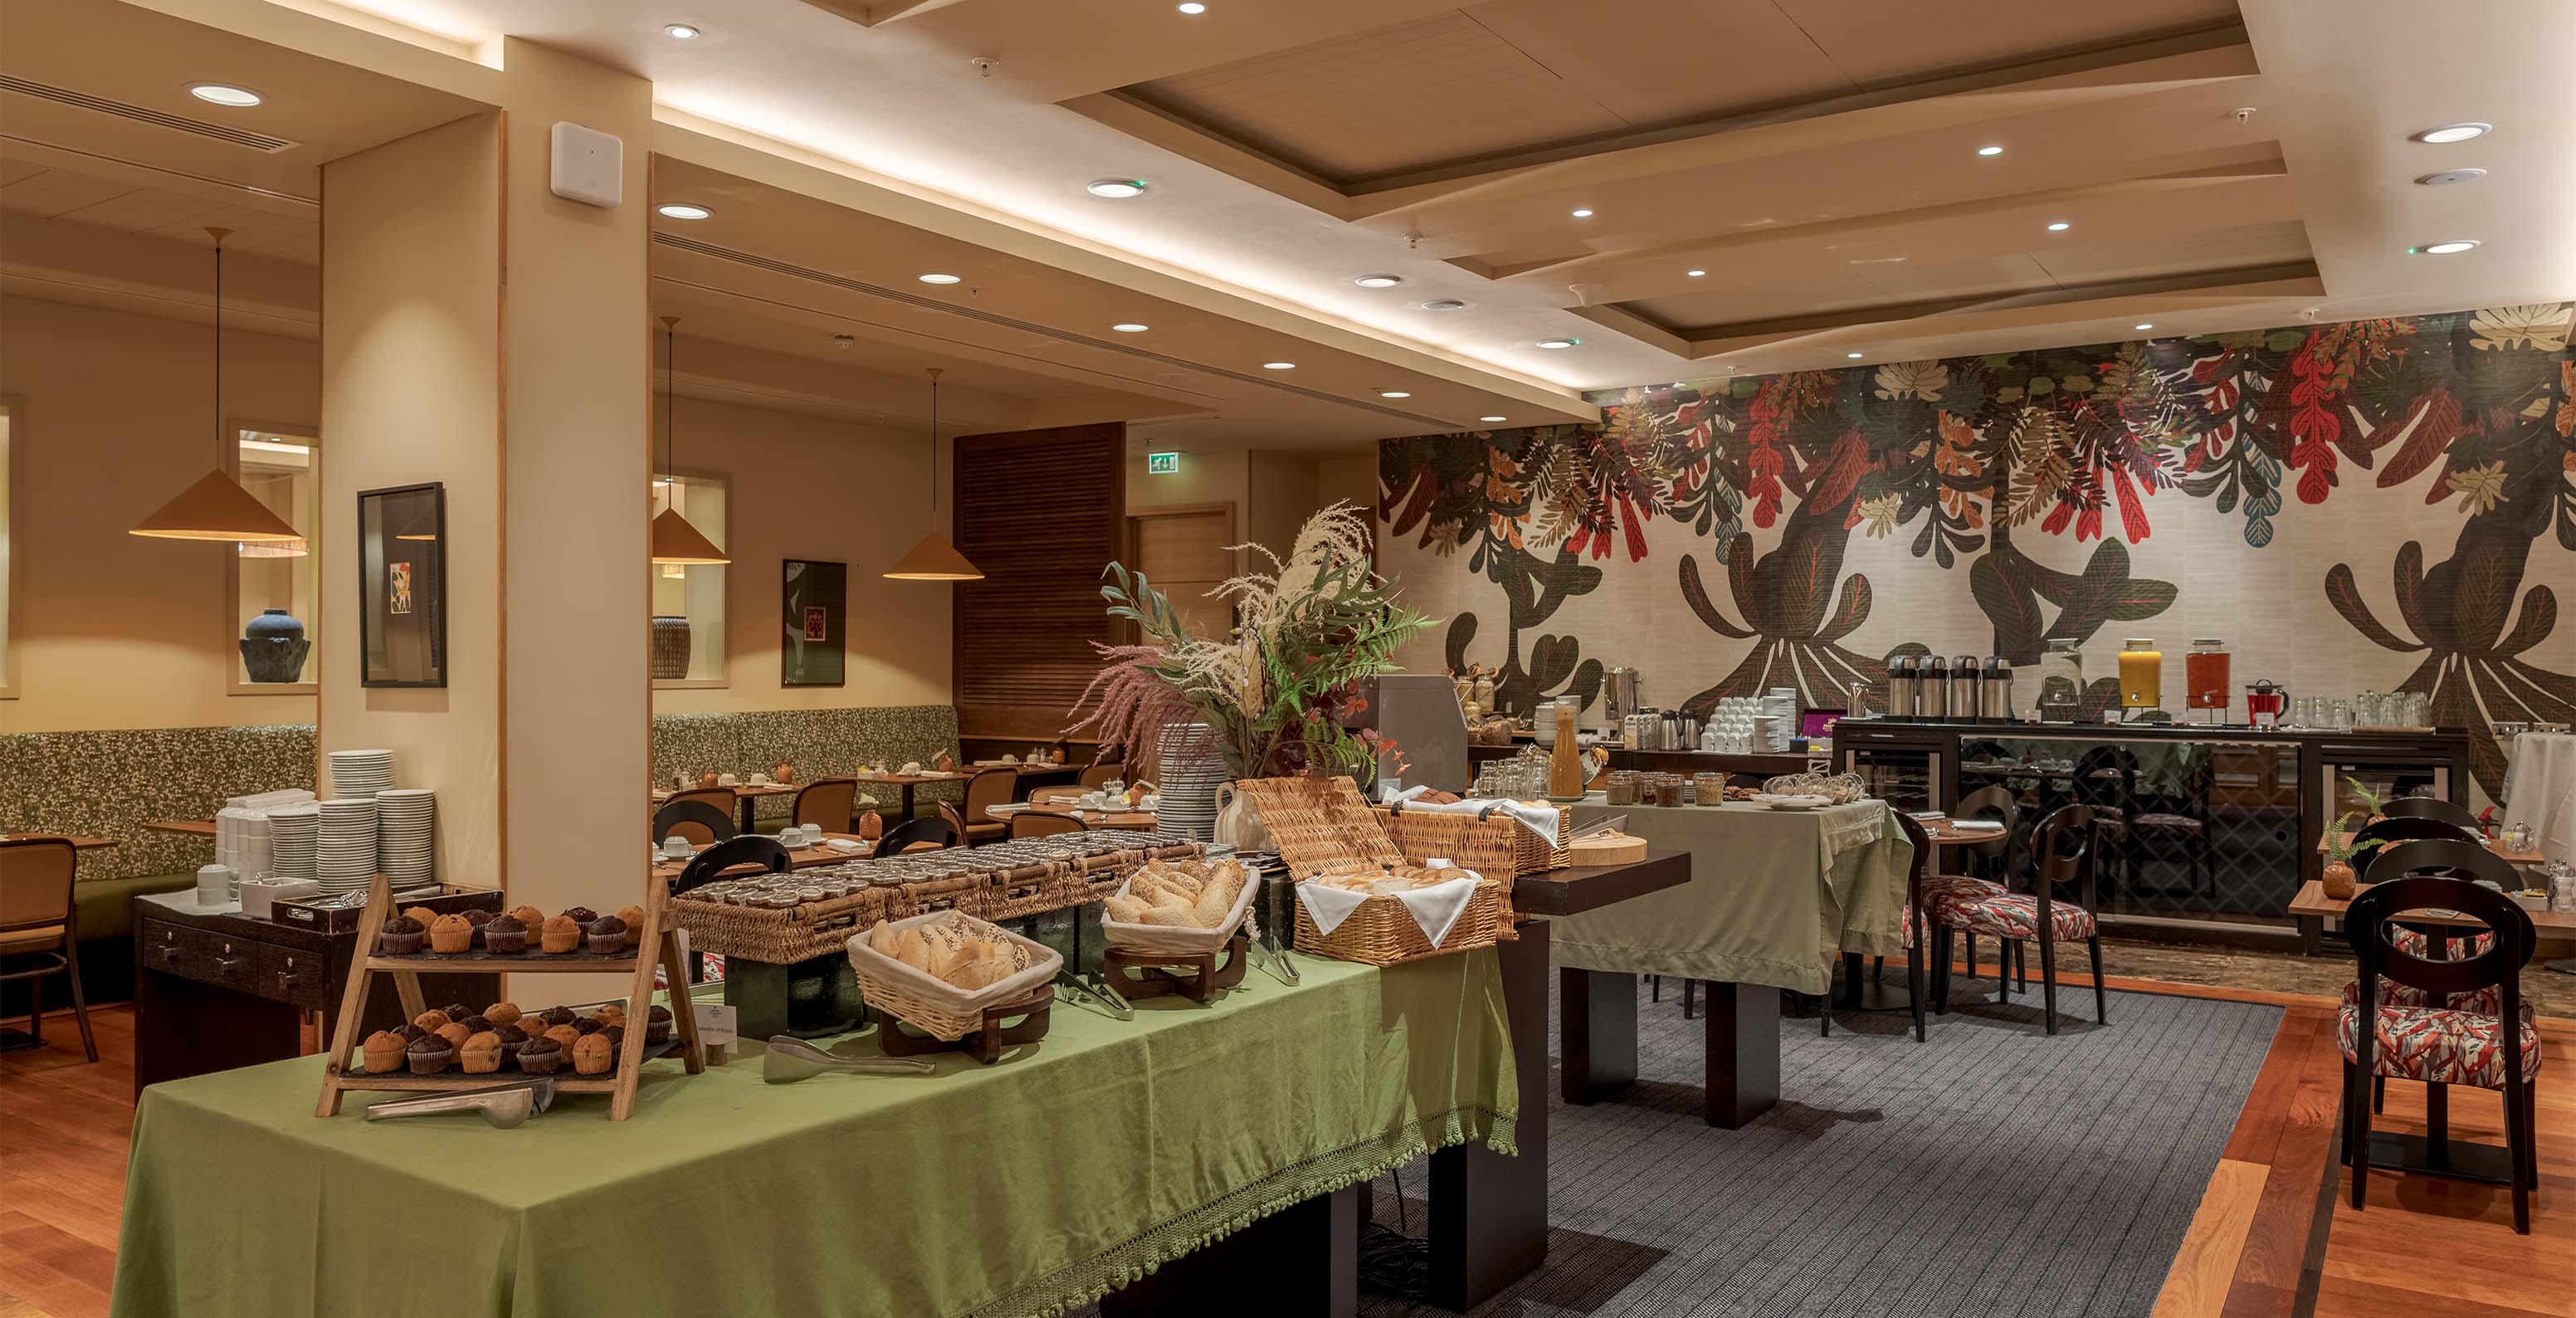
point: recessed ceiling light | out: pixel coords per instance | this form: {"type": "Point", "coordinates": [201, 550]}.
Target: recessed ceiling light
{"type": "Point", "coordinates": [1116, 188]}
{"type": "Point", "coordinates": [1443, 304]}
{"type": "Point", "coordinates": [1193, 7]}
{"type": "Point", "coordinates": [1393, 393]}
{"type": "Point", "coordinates": [2452, 176]}
{"type": "Point", "coordinates": [1558, 343]}
{"type": "Point", "coordinates": [2058, 227]}
{"type": "Point", "coordinates": [225, 94]}
{"type": "Point", "coordinates": [1130, 327]}
{"type": "Point", "coordinates": [681, 31]}
{"type": "Point", "coordinates": [1378, 281]}
{"type": "Point", "coordinates": [2146, 324]}
{"type": "Point", "coordinates": [1853, 355]}
{"type": "Point", "coordinates": [2447, 248]}
{"type": "Point", "coordinates": [2459, 132]}
{"type": "Point", "coordinates": [936, 278]}
{"type": "Point", "coordinates": [1493, 418]}
{"type": "Point", "coordinates": [681, 210]}
{"type": "Point", "coordinates": [1279, 366]}
{"type": "Point", "coordinates": [1990, 150]}
{"type": "Point", "coordinates": [1583, 213]}
{"type": "Point", "coordinates": [1695, 274]}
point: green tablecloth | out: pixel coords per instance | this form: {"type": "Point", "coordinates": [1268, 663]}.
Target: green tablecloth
{"type": "Point", "coordinates": [1019, 1189]}
{"type": "Point", "coordinates": [1773, 896]}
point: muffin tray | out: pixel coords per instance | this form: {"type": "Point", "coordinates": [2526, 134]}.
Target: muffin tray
{"type": "Point", "coordinates": [566, 1081]}
{"type": "Point", "coordinates": [476, 957]}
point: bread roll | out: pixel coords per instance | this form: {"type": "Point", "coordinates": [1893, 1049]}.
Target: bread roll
{"type": "Point", "coordinates": [1126, 910]}
{"type": "Point", "coordinates": [1216, 901]}
{"type": "Point", "coordinates": [1178, 917]}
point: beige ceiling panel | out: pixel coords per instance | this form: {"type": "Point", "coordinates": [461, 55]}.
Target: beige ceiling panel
{"type": "Point", "coordinates": [1758, 301]}
{"type": "Point", "coordinates": [1877, 43]}
{"type": "Point", "coordinates": [1912, 281]}
{"type": "Point", "coordinates": [1388, 101]}
{"type": "Point", "coordinates": [2146, 257]}
{"type": "Point", "coordinates": [57, 191]}
{"type": "Point", "coordinates": [1670, 61]}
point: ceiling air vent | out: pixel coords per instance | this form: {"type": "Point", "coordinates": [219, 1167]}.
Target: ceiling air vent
{"type": "Point", "coordinates": [158, 118]}
{"type": "Point", "coordinates": [844, 282]}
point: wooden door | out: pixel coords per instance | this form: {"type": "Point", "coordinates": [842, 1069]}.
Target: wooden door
{"type": "Point", "coordinates": [1186, 552]}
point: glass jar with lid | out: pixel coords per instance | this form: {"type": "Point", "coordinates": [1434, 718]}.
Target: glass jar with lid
{"type": "Point", "coordinates": [2061, 681]}
{"type": "Point", "coordinates": [2142, 674]}
{"type": "Point", "coordinates": [2204, 675]}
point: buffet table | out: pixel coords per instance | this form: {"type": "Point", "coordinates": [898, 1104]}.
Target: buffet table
{"type": "Point", "coordinates": [1062, 1173]}
{"type": "Point", "coordinates": [1774, 896]}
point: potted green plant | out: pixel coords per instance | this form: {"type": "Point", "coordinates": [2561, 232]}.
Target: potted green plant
{"type": "Point", "coordinates": [1278, 692]}
{"type": "Point", "coordinates": [2340, 878]}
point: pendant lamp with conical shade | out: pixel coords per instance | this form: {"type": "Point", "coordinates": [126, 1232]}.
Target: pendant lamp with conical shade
{"type": "Point", "coordinates": [217, 507]}
{"type": "Point", "coordinates": [934, 559]}
{"type": "Point", "coordinates": [674, 540]}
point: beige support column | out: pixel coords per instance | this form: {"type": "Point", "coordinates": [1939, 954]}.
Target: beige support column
{"type": "Point", "coordinates": [482, 332]}
{"type": "Point", "coordinates": [411, 392]}
{"type": "Point", "coordinates": [575, 453]}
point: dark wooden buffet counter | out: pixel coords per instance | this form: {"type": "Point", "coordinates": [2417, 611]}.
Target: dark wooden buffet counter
{"type": "Point", "coordinates": [2214, 823]}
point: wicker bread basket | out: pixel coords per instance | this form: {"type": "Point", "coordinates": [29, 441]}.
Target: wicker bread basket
{"type": "Point", "coordinates": [1180, 940]}
{"type": "Point", "coordinates": [1322, 826]}
{"type": "Point", "coordinates": [933, 1006]}
{"type": "Point", "coordinates": [1491, 843]}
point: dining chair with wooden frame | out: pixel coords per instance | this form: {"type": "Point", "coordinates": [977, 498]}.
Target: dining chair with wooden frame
{"type": "Point", "coordinates": [828, 802]}
{"type": "Point", "coordinates": [988, 788]}
{"type": "Point", "coordinates": [2039, 916]}
{"type": "Point", "coordinates": [2430, 807]}
{"type": "Point", "coordinates": [703, 817]}
{"type": "Point", "coordinates": [36, 925]}
{"type": "Point", "coordinates": [1035, 823]}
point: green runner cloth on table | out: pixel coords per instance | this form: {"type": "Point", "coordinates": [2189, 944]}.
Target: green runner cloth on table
{"type": "Point", "coordinates": [1076, 1165]}
{"type": "Point", "coordinates": [1774, 895]}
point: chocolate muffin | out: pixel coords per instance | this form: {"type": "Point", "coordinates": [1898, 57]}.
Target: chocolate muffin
{"type": "Point", "coordinates": [581, 915]}
{"type": "Point", "coordinates": [478, 917]}
{"type": "Point", "coordinates": [401, 936]}
{"type": "Point", "coordinates": [476, 1024]}
{"type": "Point", "coordinates": [556, 1016]}
{"type": "Point", "coordinates": [409, 1032]}
{"type": "Point", "coordinates": [503, 935]}
{"type": "Point", "coordinates": [429, 1054]}
{"type": "Point", "coordinates": [589, 1025]}
{"type": "Point", "coordinates": [540, 1056]}
{"type": "Point", "coordinates": [615, 1034]}
{"type": "Point", "coordinates": [657, 1025]}
{"type": "Point", "coordinates": [457, 1011]}
{"type": "Point", "coordinates": [512, 1039]}
{"type": "Point", "coordinates": [607, 936]}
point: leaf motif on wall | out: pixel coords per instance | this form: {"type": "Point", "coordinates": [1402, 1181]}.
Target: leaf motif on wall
{"type": "Point", "coordinates": [2407, 574]}
{"type": "Point", "coordinates": [2427, 433]}
{"type": "Point", "coordinates": [2539, 617]}
{"type": "Point", "coordinates": [1696, 596]}
{"type": "Point", "coordinates": [2009, 604]}
{"type": "Point", "coordinates": [1851, 609]}
{"type": "Point", "coordinates": [2345, 595]}
{"type": "Point", "coordinates": [1921, 379]}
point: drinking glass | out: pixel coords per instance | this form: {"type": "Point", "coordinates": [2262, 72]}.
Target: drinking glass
{"type": "Point", "coordinates": [2419, 709]}
{"type": "Point", "coordinates": [2341, 716]}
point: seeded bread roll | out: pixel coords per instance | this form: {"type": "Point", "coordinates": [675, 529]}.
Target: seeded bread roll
{"type": "Point", "coordinates": [1127, 910]}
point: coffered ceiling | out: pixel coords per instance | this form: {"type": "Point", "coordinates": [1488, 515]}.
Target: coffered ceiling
{"type": "Point", "coordinates": [1771, 183]}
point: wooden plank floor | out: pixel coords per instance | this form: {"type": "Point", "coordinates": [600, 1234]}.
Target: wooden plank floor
{"type": "Point", "coordinates": [2422, 1247]}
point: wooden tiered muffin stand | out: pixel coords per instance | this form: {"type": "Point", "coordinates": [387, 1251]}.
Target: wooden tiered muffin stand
{"type": "Point", "coordinates": [660, 940]}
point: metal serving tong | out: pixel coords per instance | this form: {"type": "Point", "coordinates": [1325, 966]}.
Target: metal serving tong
{"type": "Point", "coordinates": [504, 1106]}
{"type": "Point", "coordinates": [1090, 990]}
{"type": "Point", "coordinates": [1605, 824]}
{"type": "Point", "coordinates": [790, 1058]}
{"type": "Point", "coordinates": [1275, 958]}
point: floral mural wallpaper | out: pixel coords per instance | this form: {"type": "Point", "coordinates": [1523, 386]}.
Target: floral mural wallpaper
{"type": "Point", "coordinates": [2379, 504]}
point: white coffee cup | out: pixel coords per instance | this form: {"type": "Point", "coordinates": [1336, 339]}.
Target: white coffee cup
{"type": "Point", "coordinates": [760, 780]}
{"type": "Point", "coordinates": [214, 884]}
{"type": "Point", "coordinates": [676, 847]}
{"type": "Point", "coordinates": [727, 780]}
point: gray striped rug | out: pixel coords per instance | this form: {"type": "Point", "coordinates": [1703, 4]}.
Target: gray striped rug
{"type": "Point", "coordinates": [1991, 1170]}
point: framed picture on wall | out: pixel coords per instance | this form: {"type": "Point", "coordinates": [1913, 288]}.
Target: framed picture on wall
{"type": "Point", "coordinates": [402, 585]}
{"type": "Point", "coordinates": [813, 617]}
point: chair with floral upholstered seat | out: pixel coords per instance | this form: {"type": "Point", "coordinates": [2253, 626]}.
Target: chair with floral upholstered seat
{"type": "Point", "coordinates": [2442, 1022]}
{"type": "Point", "coordinates": [2062, 853]}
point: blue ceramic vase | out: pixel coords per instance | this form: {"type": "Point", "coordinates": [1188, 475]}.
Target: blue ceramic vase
{"type": "Point", "coordinates": [273, 647]}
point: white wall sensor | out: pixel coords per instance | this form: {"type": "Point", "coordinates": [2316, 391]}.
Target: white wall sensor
{"type": "Point", "coordinates": [589, 165]}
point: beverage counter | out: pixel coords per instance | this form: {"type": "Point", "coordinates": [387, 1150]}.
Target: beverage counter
{"type": "Point", "coordinates": [2217, 823]}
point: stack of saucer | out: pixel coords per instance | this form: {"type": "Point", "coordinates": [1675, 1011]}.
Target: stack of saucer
{"type": "Point", "coordinates": [1192, 766]}
{"type": "Point", "coordinates": [347, 859]}
{"type": "Point", "coordinates": [294, 842]}
{"type": "Point", "coordinates": [406, 820]}
{"type": "Point", "coordinates": [361, 773]}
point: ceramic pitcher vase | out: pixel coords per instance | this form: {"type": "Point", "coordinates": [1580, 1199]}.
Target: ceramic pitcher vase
{"type": "Point", "coordinates": [1237, 822]}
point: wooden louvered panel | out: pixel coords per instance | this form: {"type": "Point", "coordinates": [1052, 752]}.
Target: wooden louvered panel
{"type": "Point", "coordinates": [1040, 513]}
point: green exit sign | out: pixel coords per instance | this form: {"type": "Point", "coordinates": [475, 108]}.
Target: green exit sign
{"type": "Point", "coordinates": [1162, 464]}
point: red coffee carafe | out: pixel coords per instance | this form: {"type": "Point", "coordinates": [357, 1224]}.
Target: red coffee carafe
{"type": "Point", "coordinates": [2266, 704]}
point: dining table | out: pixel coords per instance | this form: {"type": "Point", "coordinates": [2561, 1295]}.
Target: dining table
{"type": "Point", "coordinates": [903, 783]}
{"type": "Point", "coordinates": [797, 857]}
{"type": "Point", "coordinates": [2495, 846]}
{"type": "Point", "coordinates": [78, 842]}
{"type": "Point", "coordinates": [1774, 896]}
{"type": "Point", "coordinates": [188, 827]}
{"type": "Point", "coordinates": [1087, 816]}
{"type": "Point", "coordinates": [746, 798]}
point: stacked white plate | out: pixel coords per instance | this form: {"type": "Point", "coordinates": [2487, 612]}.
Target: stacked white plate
{"type": "Point", "coordinates": [1188, 774]}
{"type": "Point", "coordinates": [347, 858]}
{"type": "Point", "coordinates": [406, 831]}
{"type": "Point", "coordinates": [361, 773]}
{"type": "Point", "coordinates": [294, 842]}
